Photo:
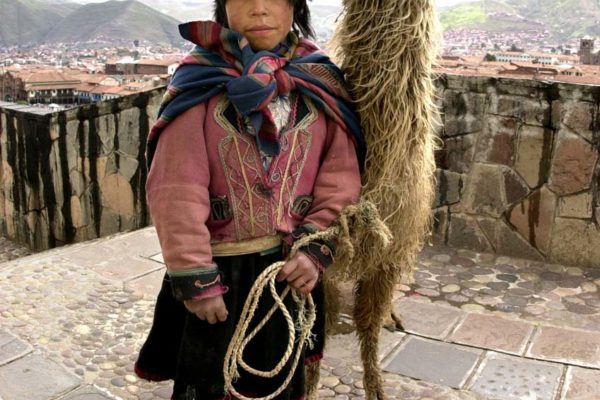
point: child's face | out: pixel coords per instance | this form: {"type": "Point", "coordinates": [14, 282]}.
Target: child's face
{"type": "Point", "coordinates": [265, 23]}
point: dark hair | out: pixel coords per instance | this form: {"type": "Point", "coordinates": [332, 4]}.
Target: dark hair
{"type": "Point", "coordinates": [301, 23]}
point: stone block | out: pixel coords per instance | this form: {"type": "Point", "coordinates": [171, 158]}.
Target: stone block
{"type": "Point", "coordinates": [58, 225]}
{"type": "Point", "coordinates": [128, 131]}
{"type": "Point", "coordinates": [148, 285]}
{"type": "Point", "coordinates": [493, 332]}
{"type": "Point", "coordinates": [54, 129]}
{"type": "Point", "coordinates": [566, 346]}
{"type": "Point", "coordinates": [533, 218]}
{"type": "Point", "coordinates": [463, 112]}
{"type": "Point", "coordinates": [507, 241]}
{"type": "Point", "coordinates": [56, 173]}
{"type": "Point", "coordinates": [87, 393]}
{"type": "Point", "coordinates": [465, 233]}
{"type": "Point", "coordinates": [72, 139]}
{"type": "Point", "coordinates": [529, 111]}
{"type": "Point", "coordinates": [3, 130]}
{"type": "Point", "coordinates": [110, 222]}
{"type": "Point", "coordinates": [457, 153]}
{"type": "Point", "coordinates": [577, 206]}
{"type": "Point", "coordinates": [483, 191]}
{"type": "Point", "coordinates": [110, 167]}
{"type": "Point", "coordinates": [143, 243]}
{"type": "Point", "coordinates": [575, 242]}
{"type": "Point", "coordinates": [573, 164]}
{"type": "Point", "coordinates": [534, 153]}
{"type": "Point", "coordinates": [158, 258]}
{"type": "Point", "coordinates": [12, 347]}
{"type": "Point", "coordinates": [112, 265]}
{"type": "Point", "coordinates": [42, 231]}
{"type": "Point", "coordinates": [78, 214]}
{"type": "Point", "coordinates": [581, 384]}
{"type": "Point", "coordinates": [128, 166]}
{"type": "Point", "coordinates": [101, 167]}
{"type": "Point", "coordinates": [7, 176]}
{"type": "Point", "coordinates": [346, 346]}
{"type": "Point", "coordinates": [78, 182]}
{"type": "Point", "coordinates": [9, 211]}
{"type": "Point", "coordinates": [106, 133]}
{"type": "Point", "coordinates": [441, 363]}
{"type": "Point", "coordinates": [117, 194]}
{"type": "Point", "coordinates": [35, 199]}
{"type": "Point", "coordinates": [44, 379]}
{"type": "Point", "coordinates": [496, 142]}
{"type": "Point", "coordinates": [508, 377]}
{"type": "Point", "coordinates": [515, 189]}
{"type": "Point", "coordinates": [578, 116]}
{"type": "Point", "coordinates": [449, 187]}
{"type": "Point", "coordinates": [491, 189]}
{"type": "Point", "coordinates": [426, 319]}
{"type": "Point", "coordinates": [441, 217]}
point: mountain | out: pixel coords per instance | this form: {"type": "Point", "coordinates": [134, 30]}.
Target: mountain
{"type": "Point", "coordinates": [26, 21]}
{"type": "Point", "coordinates": [563, 18]}
{"type": "Point", "coordinates": [123, 20]}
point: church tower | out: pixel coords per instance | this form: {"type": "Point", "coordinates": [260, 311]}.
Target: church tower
{"type": "Point", "coordinates": [586, 50]}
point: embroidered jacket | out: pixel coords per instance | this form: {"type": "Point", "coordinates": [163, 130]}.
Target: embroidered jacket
{"type": "Point", "coordinates": [207, 187]}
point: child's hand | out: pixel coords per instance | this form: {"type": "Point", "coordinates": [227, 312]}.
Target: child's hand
{"type": "Point", "coordinates": [211, 309]}
{"type": "Point", "coordinates": [300, 272]}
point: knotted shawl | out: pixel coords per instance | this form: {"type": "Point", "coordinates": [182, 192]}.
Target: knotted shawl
{"type": "Point", "coordinates": [224, 61]}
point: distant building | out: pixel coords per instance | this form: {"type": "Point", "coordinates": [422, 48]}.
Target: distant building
{"type": "Point", "coordinates": [12, 89]}
{"type": "Point", "coordinates": [156, 67]}
{"type": "Point", "coordinates": [537, 71]}
{"type": "Point", "coordinates": [539, 58]}
{"type": "Point", "coordinates": [586, 52]}
{"type": "Point", "coordinates": [128, 66]}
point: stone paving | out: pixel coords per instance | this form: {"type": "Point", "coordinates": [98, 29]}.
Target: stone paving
{"type": "Point", "coordinates": [477, 327]}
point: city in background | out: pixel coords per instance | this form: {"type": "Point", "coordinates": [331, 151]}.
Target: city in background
{"type": "Point", "coordinates": [59, 54]}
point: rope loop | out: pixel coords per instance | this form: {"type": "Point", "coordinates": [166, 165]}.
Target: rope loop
{"type": "Point", "coordinates": [305, 321]}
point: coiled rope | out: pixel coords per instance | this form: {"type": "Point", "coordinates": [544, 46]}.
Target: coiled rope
{"type": "Point", "coordinates": [305, 321]}
{"type": "Point", "coordinates": [362, 219]}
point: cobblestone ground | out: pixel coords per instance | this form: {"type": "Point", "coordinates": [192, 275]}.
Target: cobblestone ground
{"type": "Point", "coordinates": [529, 290]}
{"type": "Point", "coordinates": [89, 308]}
{"type": "Point", "coordinates": [94, 327]}
{"type": "Point", "coordinates": [342, 381]}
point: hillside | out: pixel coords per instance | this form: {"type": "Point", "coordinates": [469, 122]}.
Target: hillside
{"type": "Point", "coordinates": [26, 21]}
{"type": "Point", "coordinates": [575, 18]}
{"type": "Point", "coordinates": [122, 20]}
{"type": "Point", "coordinates": [563, 18]}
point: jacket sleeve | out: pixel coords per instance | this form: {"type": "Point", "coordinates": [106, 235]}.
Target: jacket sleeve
{"type": "Point", "coordinates": [178, 198]}
{"type": "Point", "coordinates": [337, 185]}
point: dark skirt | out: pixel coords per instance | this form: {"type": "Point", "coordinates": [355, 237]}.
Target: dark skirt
{"type": "Point", "coordinates": [191, 351]}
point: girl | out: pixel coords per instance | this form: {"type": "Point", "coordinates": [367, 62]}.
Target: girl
{"type": "Point", "coordinates": [258, 147]}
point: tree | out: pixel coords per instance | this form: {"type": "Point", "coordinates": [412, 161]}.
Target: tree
{"type": "Point", "coordinates": [490, 57]}
{"type": "Point", "coordinates": [514, 48]}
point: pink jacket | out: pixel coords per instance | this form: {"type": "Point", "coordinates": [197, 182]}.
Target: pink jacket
{"type": "Point", "coordinates": [207, 186]}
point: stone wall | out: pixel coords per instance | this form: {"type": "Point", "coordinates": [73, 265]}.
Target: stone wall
{"type": "Point", "coordinates": [518, 173]}
{"type": "Point", "coordinates": [74, 175]}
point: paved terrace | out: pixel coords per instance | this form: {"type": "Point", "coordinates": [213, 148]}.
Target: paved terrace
{"type": "Point", "coordinates": [478, 326]}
